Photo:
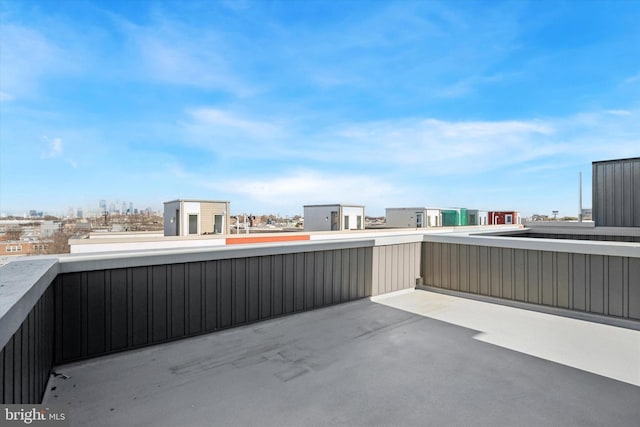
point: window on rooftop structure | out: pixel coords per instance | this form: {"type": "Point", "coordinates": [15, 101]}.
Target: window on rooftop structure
{"type": "Point", "coordinates": [335, 219]}
{"type": "Point", "coordinates": [359, 222]}
{"type": "Point", "coordinates": [217, 224]}
{"type": "Point", "coordinates": [193, 224]}
{"type": "Point", "coordinates": [346, 222]}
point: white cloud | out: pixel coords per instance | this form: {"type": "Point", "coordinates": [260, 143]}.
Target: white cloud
{"type": "Point", "coordinates": [440, 147]}
{"type": "Point", "coordinates": [54, 147]}
{"type": "Point", "coordinates": [435, 147]}
{"type": "Point", "coordinates": [619, 112]}
{"type": "Point", "coordinates": [214, 118]}
{"type": "Point", "coordinates": [291, 190]}
{"type": "Point", "coordinates": [175, 53]}
{"type": "Point", "coordinates": [4, 97]}
{"type": "Point", "coordinates": [632, 79]}
{"type": "Point", "coordinates": [28, 56]}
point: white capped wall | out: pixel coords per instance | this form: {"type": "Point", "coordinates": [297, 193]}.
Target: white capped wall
{"type": "Point", "coordinates": [189, 208]}
{"type": "Point", "coordinates": [433, 218]}
{"type": "Point", "coordinates": [353, 212]}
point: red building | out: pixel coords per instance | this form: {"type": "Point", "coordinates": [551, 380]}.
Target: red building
{"type": "Point", "coordinates": [503, 217]}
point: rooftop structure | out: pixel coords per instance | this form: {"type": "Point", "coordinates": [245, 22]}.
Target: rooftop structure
{"type": "Point", "coordinates": [336, 217]}
{"type": "Point", "coordinates": [419, 217]}
{"type": "Point", "coordinates": [616, 192]}
{"type": "Point", "coordinates": [196, 217]}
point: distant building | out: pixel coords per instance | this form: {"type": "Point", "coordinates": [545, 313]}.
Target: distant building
{"type": "Point", "coordinates": [49, 228]}
{"type": "Point", "coordinates": [196, 217]}
{"type": "Point", "coordinates": [503, 217]}
{"type": "Point", "coordinates": [453, 217]}
{"type": "Point", "coordinates": [336, 217]}
{"type": "Point", "coordinates": [477, 217]}
{"type": "Point", "coordinates": [616, 193]}
{"type": "Point", "coordinates": [413, 217]}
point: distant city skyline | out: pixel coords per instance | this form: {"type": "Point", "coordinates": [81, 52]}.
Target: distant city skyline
{"type": "Point", "coordinates": [274, 105]}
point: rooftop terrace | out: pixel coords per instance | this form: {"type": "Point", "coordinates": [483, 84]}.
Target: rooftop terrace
{"type": "Point", "coordinates": [408, 358]}
{"type": "Point", "coordinates": [331, 332]}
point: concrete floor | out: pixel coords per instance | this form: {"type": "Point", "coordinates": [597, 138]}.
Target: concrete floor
{"type": "Point", "coordinates": [410, 358]}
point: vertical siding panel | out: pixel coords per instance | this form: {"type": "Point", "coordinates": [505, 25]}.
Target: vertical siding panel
{"type": "Point", "coordinates": [368, 271]}
{"type": "Point", "coordinates": [615, 288]}
{"type": "Point", "coordinates": [636, 194]}
{"type": "Point", "coordinates": [266, 294]}
{"type": "Point", "coordinates": [318, 282]}
{"type": "Point", "coordinates": [225, 293]}
{"type": "Point", "coordinates": [253, 290]}
{"type": "Point", "coordinates": [633, 302]}
{"type": "Point", "coordinates": [96, 313]}
{"type": "Point", "coordinates": [72, 316]}
{"type": "Point", "coordinates": [299, 266]}
{"type": "Point", "coordinates": [26, 356]}
{"type": "Point", "coordinates": [626, 203]}
{"type": "Point", "coordinates": [194, 292]}
{"type": "Point", "coordinates": [344, 279]}
{"type": "Point", "coordinates": [520, 274]}
{"type": "Point", "coordinates": [177, 324]}
{"type": "Point", "coordinates": [309, 279]}
{"type": "Point", "coordinates": [562, 277]}
{"type": "Point", "coordinates": [328, 277]}
{"type": "Point", "coordinates": [289, 285]}
{"type": "Point", "coordinates": [238, 268]}
{"type": "Point", "coordinates": [361, 273]}
{"type": "Point", "coordinates": [405, 270]}
{"type": "Point", "coordinates": [532, 277]}
{"type": "Point", "coordinates": [463, 260]}
{"type": "Point", "coordinates": [159, 309]}
{"type": "Point", "coordinates": [474, 270]}
{"type": "Point", "coordinates": [596, 284]}
{"type": "Point", "coordinates": [506, 255]}
{"type": "Point", "coordinates": [278, 284]}
{"type": "Point", "coordinates": [8, 376]}
{"type": "Point", "coordinates": [211, 296]}
{"type": "Point", "coordinates": [139, 304]}
{"type": "Point", "coordinates": [437, 265]}
{"type": "Point", "coordinates": [17, 366]}
{"type": "Point", "coordinates": [337, 275]}
{"type": "Point", "coordinates": [393, 265]}
{"type": "Point", "coordinates": [2, 376]}
{"type": "Point", "coordinates": [495, 272]}
{"type": "Point", "coordinates": [484, 267]}
{"type": "Point", "coordinates": [579, 284]}
{"type": "Point", "coordinates": [388, 269]}
{"type": "Point", "coordinates": [353, 273]}
{"type": "Point", "coordinates": [547, 278]}
{"type": "Point", "coordinates": [445, 267]}
{"type": "Point", "coordinates": [454, 267]}
{"type": "Point", "coordinates": [376, 270]}
{"type": "Point", "coordinates": [618, 194]}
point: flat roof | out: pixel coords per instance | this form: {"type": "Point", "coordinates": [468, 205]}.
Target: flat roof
{"type": "Point", "coordinates": [408, 358]}
{"type": "Point", "coordinates": [420, 207]}
{"type": "Point", "coordinates": [617, 160]}
{"type": "Point", "coordinates": [335, 204]}
{"type": "Point", "coordinates": [197, 201]}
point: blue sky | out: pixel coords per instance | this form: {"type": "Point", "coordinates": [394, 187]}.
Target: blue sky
{"type": "Point", "coordinates": [273, 105]}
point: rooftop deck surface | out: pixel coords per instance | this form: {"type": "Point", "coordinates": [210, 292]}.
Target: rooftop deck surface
{"type": "Point", "coordinates": [409, 358]}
